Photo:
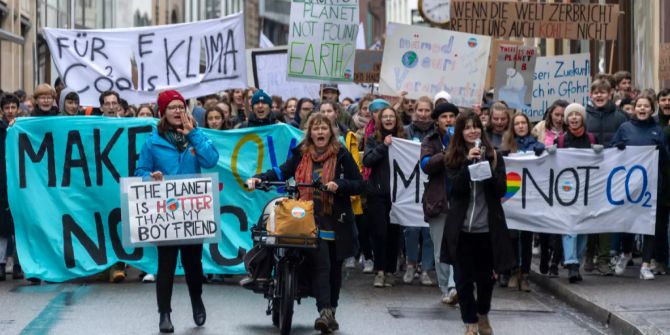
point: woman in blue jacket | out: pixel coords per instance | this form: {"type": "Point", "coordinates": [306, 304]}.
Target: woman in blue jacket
{"type": "Point", "coordinates": [519, 139]}
{"type": "Point", "coordinates": [642, 130]}
{"type": "Point", "coordinates": [177, 147]}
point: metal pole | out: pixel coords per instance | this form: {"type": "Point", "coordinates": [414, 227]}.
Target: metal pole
{"type": "Point", "coordinates": [72, 14]}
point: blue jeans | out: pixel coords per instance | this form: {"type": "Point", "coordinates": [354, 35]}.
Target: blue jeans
{"type": "Point", "coordinates": [412, 235]}
{"type": "Point", "coordinates": [573, 248]}
{"type": "Point", "coordinates": [444, 271]}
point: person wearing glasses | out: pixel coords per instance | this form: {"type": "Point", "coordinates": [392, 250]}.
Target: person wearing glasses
{"type": "Point", "coordinates": [44, 97]}
{"type": "Point", "coordinates": [176, 146]}
{"type": "Point", "coordinates": [110, 105]}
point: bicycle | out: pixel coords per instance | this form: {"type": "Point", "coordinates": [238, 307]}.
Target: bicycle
{"type": "Point", "coordinates": [282, 288]}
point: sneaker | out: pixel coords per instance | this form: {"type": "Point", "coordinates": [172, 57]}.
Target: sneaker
{"type": "Point", "coordinates": [604, 268]}
{"type": "Point", "coordinates": [148, 278]}
{"type": "Point", "coordinates": [368, 266]}
{"type": "Point", "coordinates": [451, 297]}
{"type": "Point", "coordinates": [361, 261]}
{"type": "Point", "coordinates": [553, 270]}
{"type": "Point", "coordinates": [661, 269]}
{"type": "Point", "coordinates": [379, 280]}
{"type": "Point", "coordinates": [620, 266]}
{"type": "Point", "coordinates": [409, 274]}
{"type": "Point", "coordinates": [389, 279]}
{"type": "Point", "coordinates": [350, 263]}
{"type": "Point", "coordinates": [324, 321]}
{"type": "Point", "coordinates": [426, 280]}
{"type": "Point", "coordinates": [646, 274]}
{"type": "Point", "coordinates": [117, 276]}
{"type": "Point", "coordinates": [536, 250]}
{"type": "Point", "coordinates": [589, 266]}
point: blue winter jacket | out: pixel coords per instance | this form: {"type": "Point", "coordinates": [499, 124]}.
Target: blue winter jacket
{"type": "Point", "coordinates": [160, 155]}
{"type": "Point", "coordinates": [527, 143]}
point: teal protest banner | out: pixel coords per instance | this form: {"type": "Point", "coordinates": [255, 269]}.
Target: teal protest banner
{"type": "Point", "coordinates": [63, 180]}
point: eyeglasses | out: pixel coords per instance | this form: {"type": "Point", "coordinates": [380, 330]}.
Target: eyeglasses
{"type": "Point", "coordinates": [45, 98]}
{"type": "Point", "coordinates": [174, 108]}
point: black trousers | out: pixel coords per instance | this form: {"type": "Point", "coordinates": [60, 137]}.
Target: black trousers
{"type": "Point", "coordinates": [385, 236]}
{"type": "Point", "coordinates": [523, 250]}
{"type": "Point", "coordinates": [364, 241]}
{"type": "Point", "coordinates": [326, 274]}
{"type": "Point", "coordinates": [191, 259]}
{"type": "Point", "coordinates": [551, 248]}
{"type": "Point", "coordinates": [661, 238]}
{"type": "Point", "coordinates": [474, 265]}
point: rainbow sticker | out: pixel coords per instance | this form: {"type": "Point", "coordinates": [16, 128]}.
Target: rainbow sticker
{"type": "Point", "coordinates": [513, 185]}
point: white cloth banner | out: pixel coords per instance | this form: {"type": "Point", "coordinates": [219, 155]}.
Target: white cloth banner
{"type": "Point", "coordinates": [407, 183]}
{"type": "Point", "coordinates": [577, 191]}
{"type": "Point", "coordinates": [267, 70]}
{"type": "Point", "coordinates": [425, 61]}
{"type": "Point", "coordinates": [264, 42]}
{"type": "Point", "coordinates": [140, 62]}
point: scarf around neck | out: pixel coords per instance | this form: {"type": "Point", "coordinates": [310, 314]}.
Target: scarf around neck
{"type": "Point", "coordinates": [178, 140]}
{"type": "Point", "coordinates": [304, 174]}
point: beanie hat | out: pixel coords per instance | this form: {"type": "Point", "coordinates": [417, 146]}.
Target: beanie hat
{"type": "Point", "coordinates": [165, 98]}
{"type": "Point", "coordinates": [262, 97]}
{"type": "Point", "coordinates": [444, 107]}
{"type": "Point", "coordinates": [442, 95]}
{"type": "Point", "coordinates": [574, 107]}
{"type": "Point", "coordinates": [378, 104]}
{"type": "Point", "coordinates": [44, 89]}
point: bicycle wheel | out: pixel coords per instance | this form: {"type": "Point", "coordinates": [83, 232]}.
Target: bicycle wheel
{"type": "Point", "coordinates": [288, 291]}
{"type": "Point", "coordinates": [275, 312]}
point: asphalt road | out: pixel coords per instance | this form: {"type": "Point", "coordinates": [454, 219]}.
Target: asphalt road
{"type": "Point", "coordinates": [130, 308]}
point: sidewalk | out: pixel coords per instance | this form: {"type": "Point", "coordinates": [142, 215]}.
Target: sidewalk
{"type": "Point", "coordinates": [625, 304]}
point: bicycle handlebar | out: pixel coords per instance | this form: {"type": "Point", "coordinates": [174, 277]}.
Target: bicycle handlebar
{"type": "Point", "coordinates": [289, 185]}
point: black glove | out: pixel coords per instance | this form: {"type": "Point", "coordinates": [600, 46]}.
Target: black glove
{"type": "Point", "coordinates": [621, 146]}
{"type": "Point", "coordinates": [538, 151]}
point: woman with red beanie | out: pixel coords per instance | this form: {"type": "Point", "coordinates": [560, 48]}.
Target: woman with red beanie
{"type": "Point", "coordinates": [177, 147]}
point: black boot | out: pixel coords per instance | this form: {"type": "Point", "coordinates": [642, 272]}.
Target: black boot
{"type": "Point", "coordinates": [573, 273]}
{"type": "Point", "coordinates": [17, 272]}
{"type": "Point", "coordinates": [3, 274]}
{"type": "Point", "coordinates": [199, 314]}
{"type": "Point", "coordinates": [165, 324]}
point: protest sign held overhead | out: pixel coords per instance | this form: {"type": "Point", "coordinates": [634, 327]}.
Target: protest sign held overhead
{"type": "Point", "coordinates": [425, 61]}
{"type": "Point", "coordinates": [407, 183]}
{"type": "Point", "coordinates": [368, 66]}
{"type": "Point", "coordinates": [174, 211]}
{"type": "Point", "coordinates": [581, 192]}
{"type": "Point", "coordinates": [162, 57]}
{"type": "Point", "coordinates": [267, 71]}
{"type": "Point", "coordinates": [322, 40]}
{"type": "Point", "coordinates": [566, 77]}
{"type": "Point", "coordinates": [572, 21]}
{"type": "Point", "coordinates": [515, 68]}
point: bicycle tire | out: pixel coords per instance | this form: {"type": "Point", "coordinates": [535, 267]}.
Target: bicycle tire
{"type": "Point", "coordinates": [288, 292]}
{"type": "Point", "coordinates": [275, 312]}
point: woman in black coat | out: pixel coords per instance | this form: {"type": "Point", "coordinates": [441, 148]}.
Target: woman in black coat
{"type": "Point", "coordinates": [320, 152]}
{"type": "Point", "coordinates": [476, 240]}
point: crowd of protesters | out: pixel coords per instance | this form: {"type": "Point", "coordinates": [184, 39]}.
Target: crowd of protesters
{"type": "Point", "coordinates": [466, 244]}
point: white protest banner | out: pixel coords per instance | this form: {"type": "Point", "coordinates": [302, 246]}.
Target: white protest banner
{"type": "Point", "coordinates": [162, 57]}
{"type": "Point", "coordinates": [267, 70]}
{"type": "Point", "coordinates": [515, 68]}
{"type": "Point", "coordinates": [566, 77]}
{"type": "Point", "coordinates": [425, 61]}
{"type": "Point", "coordinates": [264, 42]}
{"type": "Point", "coordinates": [322, 40]}
{"type": "Point", "coordinates": [407, 183]}
{"type": "Point", "coordinates": [577, 191]}
{"type": "Point", "coordinates": [177, 210]}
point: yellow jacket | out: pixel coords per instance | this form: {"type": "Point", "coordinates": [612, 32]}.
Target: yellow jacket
{"type": "Point", "coordinates": [351, 142]}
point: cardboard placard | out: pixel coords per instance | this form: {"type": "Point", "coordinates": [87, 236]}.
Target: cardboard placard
{"type": "Point", "coordinates": [515, 68]}
{"type": "Point", "coordinates": [664, 62]}
{"type": "Point", "coordinates": [368, 66]}
{"type": "Point", "coordinates": [572, 21]}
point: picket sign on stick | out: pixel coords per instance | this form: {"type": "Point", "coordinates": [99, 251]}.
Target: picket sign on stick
{"type": "Point", "coordinates": [267, 71]}
{"type": "Point", "coordinates": [178, 210]}
{"type": "Point", "coordinates": [425, 61]}
{"type": "Point", "coordinates": [322, 40]}
{"type": "Point", "coordinates": [166, 57]}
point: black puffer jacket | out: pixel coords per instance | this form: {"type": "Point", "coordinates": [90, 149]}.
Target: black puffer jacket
{"type": "Point", "coordinates": [376, 157]}
{"type": "Point", "coordinates": [604, 122]}
{"type": "Point", "coordinates": [256, 122]}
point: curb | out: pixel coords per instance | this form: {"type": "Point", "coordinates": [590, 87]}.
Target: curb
{"type": "Point", "coordinates": [605, 314]}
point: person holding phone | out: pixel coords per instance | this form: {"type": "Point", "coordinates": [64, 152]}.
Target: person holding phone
{"type": "Point", "coordinates": [476, 239]}
{"type": "Point", "coordinates": [176, 146]}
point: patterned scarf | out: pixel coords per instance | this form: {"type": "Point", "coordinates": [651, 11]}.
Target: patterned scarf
{"type": "Point", "coordinates": [177, 139]}
{"type": "Point", "coordinates": [304, 175]}
{"type": "Point", "coordinates": [369, 130]}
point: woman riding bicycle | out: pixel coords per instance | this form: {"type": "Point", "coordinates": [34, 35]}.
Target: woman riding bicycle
{"type": "Point", "coordinates": [320, 153]}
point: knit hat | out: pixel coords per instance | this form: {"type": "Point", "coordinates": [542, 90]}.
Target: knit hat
{"type": "Point", "coordinates": [444, 107]}
{"type": "Point", "coordinates": [378, 104]}
{"type": "Point", "coordinates": [165, 98]}
{"type": "Point", "coordinates": [44, 89]}
{"type": "Point", "coordinates": [442, 95]}
{"type": "Point", "coordinates": [262, 97]}
{"type": "Point", "coordinates": [574, 107]}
